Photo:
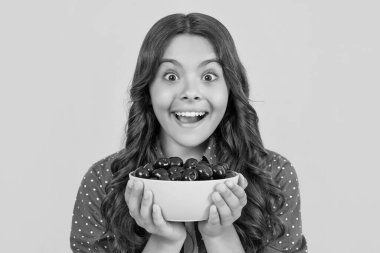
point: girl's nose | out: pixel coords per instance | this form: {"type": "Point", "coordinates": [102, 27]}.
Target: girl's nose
{"type": "Point", "coordinates": [190, 91]}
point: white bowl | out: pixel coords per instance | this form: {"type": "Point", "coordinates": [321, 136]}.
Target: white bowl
{"type": "Point", "coordinates": [183, 201]}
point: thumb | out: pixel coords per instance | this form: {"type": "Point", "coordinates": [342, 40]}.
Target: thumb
{"type": "Point", "coordinates": [242, 181]}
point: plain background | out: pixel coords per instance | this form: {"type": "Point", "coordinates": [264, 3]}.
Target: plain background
{"type": "Point", "coordinates": [66, 67]}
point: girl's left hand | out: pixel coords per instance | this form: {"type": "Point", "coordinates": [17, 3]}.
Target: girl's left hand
{"type": "Point", "coordinates": [229, 200]}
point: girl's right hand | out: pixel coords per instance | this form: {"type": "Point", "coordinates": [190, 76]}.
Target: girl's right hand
{"type": "Point", "coordinates": [148, 215]}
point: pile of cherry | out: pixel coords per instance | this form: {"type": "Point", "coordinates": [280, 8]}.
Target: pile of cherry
{"type": "Point", "coordinates": [175, 169]}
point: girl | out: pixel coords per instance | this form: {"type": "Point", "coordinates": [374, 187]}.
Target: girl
{"type": "Point", "coordinates": [190, 98]}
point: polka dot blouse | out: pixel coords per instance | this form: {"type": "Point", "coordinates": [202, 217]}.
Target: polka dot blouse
{"type": "Point", "coordinates": [88, 225]}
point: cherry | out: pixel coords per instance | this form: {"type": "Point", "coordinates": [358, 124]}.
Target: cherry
{"type": "Point", "coordinates": [190, 163]}
{"type": "Point", "coordinates": [175, 169]}
{"type": "Point", "coordinates": [142, 172]}
{"type": "Point", "coordinates": [175, 161]}
{"type": "Point", "coordinates": [218, 171]}
{"type": "Point", "coordinates": [149, 167]}
{"type": "Point", "coordinates": [176, 176]}
{"type": "Point", "coordinates": [204, 171]}
{"type": "Point", "coordinates": [162, 163]}
{"type": "Point", "coordinates": [161, 174]}
{"type": "Point", "coordinates": [190, 175]}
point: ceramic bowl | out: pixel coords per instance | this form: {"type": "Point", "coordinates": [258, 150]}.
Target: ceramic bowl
{"type": "Point", "coordinates": [183, 201]}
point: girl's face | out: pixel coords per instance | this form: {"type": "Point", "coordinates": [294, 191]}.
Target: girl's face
{"type": "Point", "coordinates": [189, 94]}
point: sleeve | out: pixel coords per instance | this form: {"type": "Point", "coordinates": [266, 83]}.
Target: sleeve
{"type": "Point", "coordinates": [293, 240]}
{"type": "Point", "coordinates": [87, 224]}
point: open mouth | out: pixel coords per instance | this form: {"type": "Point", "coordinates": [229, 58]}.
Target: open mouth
{"type": "Point", "coordinates": [190, 117]}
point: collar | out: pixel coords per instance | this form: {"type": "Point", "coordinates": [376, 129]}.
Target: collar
{"type": "Point", "coordinates": [209, 153]}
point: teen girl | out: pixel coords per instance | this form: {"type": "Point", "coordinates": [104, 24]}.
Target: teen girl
{"type": "Point", "coordinates": [190, 99]}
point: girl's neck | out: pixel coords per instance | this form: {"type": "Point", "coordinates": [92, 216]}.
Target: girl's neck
{"type": "Point", "coordinates": [171, 148]}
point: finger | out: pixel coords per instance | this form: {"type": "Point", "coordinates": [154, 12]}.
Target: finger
{"type": "Point", "coordinates": [146, 206]}
{"type": "Point", "coordinates": [213, 217]}
{"type": "Point", "coordinates": [134, 203]}
{"type": "Point", "coordinates": [128, 190]}
{"type": "Point", "coordinates": [158, 220]}
{"type": "Point", "coordinates": [223, 209]}
{"type": "Point", "coordinates": [238, 191]}
{"type": "Point", "coordinates": [242, 181]}
{"type": "Point", "coordinates": [229, 197]}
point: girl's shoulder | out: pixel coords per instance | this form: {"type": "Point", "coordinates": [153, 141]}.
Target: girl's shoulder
{"type": "Point", "coordinates": [87, 222]}
{"type": "Point", "coordinates": [284, 175]}
{"type": "Point", "coordinates": [275, 158]}
{"type": "Point", "coordinates": [100, 172]}
{"type": "Point", "coordinates": [280, 168]}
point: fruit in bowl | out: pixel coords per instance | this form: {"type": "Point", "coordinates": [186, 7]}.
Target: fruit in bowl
{"type": "Point", "coordinates": [183, 189]}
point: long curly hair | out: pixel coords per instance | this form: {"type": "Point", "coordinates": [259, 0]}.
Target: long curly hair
{"type": "Point", "coordinates": [238, 139]}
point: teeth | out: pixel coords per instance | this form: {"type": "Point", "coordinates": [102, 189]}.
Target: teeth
{"type": "Point", "coordinates": [190, 114]}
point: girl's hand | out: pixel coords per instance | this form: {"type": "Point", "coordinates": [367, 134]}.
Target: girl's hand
{"type": "Point", "coordinates": [229, 200]}
{"type": "Point", "coordinates": [148, 215]}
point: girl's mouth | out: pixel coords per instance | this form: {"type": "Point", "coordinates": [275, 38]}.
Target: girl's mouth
{"type": "Point", "coordinates": [190, 117]}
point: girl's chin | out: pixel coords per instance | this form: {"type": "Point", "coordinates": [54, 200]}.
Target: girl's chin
{"type": "Point", "coordinates": [191, 142]}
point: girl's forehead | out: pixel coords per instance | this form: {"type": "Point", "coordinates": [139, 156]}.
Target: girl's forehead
{"type": "Point", "coordinates": [188, 48]}
{"type": "Point", "coordinates": [168, 62]}
{"type": "Point", "coordinates": [190, 44]}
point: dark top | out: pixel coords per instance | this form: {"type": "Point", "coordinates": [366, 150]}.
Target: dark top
{"type": "Point", "coordinates": [88, 224]}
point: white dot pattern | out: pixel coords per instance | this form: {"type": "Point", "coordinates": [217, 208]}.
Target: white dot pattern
{"type": "Point", "coordinates": [285, 176]}
{"type": "Point", "coordinates": [87, 225]}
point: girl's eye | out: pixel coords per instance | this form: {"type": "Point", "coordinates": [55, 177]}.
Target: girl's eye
{"type": "Point", "coordinates": [209, 77]}
{"type": "Point", "coordinates": [170, 77]}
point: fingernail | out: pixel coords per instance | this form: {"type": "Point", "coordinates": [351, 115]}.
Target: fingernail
{"type": "Point", "coordinates": [213, 209]}
{"type": "Point", "coordinates": [230, 184]}
{"type": "Point", "coordinates": [146, 195]}
{"type": "Point", "coordinates": [155, 208]}
{"type": "Point", "coordinates": [217, 196]}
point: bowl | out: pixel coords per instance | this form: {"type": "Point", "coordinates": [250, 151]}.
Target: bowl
{"type": "Point", "coordinates": [183, 201]}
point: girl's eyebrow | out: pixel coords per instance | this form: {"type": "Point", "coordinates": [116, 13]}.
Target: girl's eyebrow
{"type": "Point", "coordinates": [203, 63]}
